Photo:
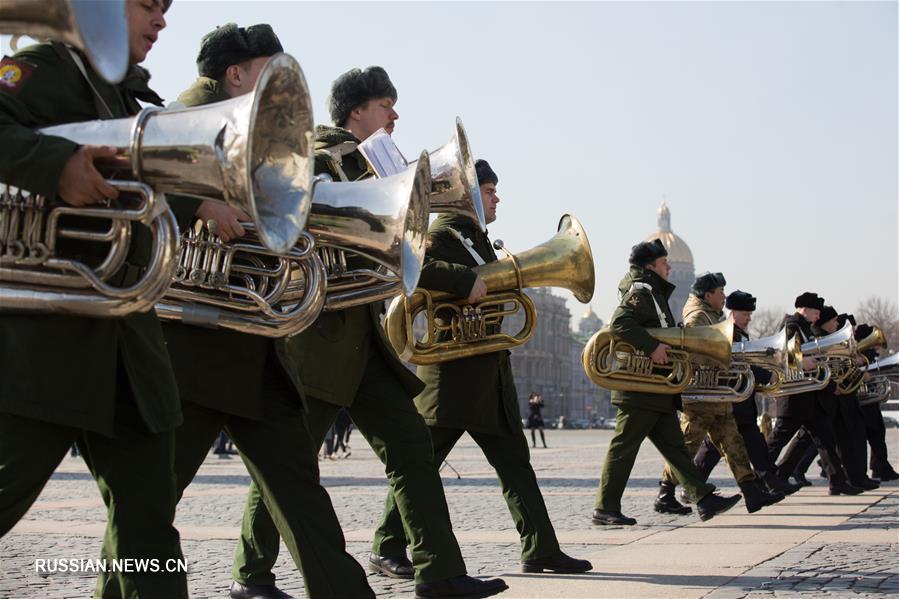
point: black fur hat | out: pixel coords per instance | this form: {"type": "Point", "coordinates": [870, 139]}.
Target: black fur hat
{"type": "Point", "coordinates": [166, 4]}
{"type": "Point", "coordinates": [707, 281]}
{"type": "Point", "coordinates": [356, 87]}
{"type": "Point", "coordinates": [809, 300]}
{"type": "Point", "coordinates": [843, 318]}
{"type": "Point", "coordinates": [827, 313]}
{"type": "Point", "coordinates": [230, 44]}
{"type": "Point", "coordinates": [647, 251]}
{"type": "Point", "coordinates": [485, 173]}
{"type": "Point", "coordinates": [740, 300]}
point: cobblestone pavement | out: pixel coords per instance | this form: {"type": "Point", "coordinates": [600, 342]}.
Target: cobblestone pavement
{"type": "Point", "coordinates": [68, 519]}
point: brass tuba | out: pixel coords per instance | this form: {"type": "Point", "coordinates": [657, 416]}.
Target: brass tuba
{"type": "Point", "coordinates": [614, 364]}
{"type": "Point", "coordinates": [837, 350]}
{"type": "Point", "coordinates": [371, 235]}
{"type": "Point", "coordinates": [566, 260]}
{"type": "Point", "coordinates": [99, 29]}
{"type": "Point", "coordinates": [252, 152]}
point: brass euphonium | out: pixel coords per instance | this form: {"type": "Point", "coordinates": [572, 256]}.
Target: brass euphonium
{"type": "Point", "coordinates": [737, 383]}
{"type": "Point", "coordinates": [566, 260]}
{"type": "Point", "coordinates": [99, 29]}
{"type": "Point", "coordinates": [454, 181]}
{"type": "Point", "coordinates": [614, 364]}
{"type": "Point", "coordinates": [371, 235]}
{"type": "Point", "coordinates": [850, 383]}
{"type": "Point", "coordinates": [250, 152]}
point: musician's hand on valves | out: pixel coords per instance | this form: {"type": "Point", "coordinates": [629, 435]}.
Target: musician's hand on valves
{"type": "Point", "coordinates": [227, 219]}
{"type": "Point", "coordinates": [660, 354]}
{"type": "Point", "coordinates": [809, 364]}
{"type": "Point", "coordinates": [478, 291]}
{"type": "Point", "coordinates": [80, 183]}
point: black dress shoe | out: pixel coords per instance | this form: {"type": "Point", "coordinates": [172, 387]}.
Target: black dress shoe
{"type": "Point", "coordinates": [609, 518]}
{"type": "Point", "coordinates": [844, 489]}
{"type": "Point", "coordinates": [256, 591]}
{"type": "Point", "coordinates": [776, 484]}
{"type": "Point", "coordinates": [560, 563]}
{"type": "Point", "coordinates": [886, 475]}
{"type": "Point", "coordinates": [713, 504]}
{"type": "Point", "coordinates": [461, 586]}
{"type": "Point", "coordinates": [866, 483]}
{"type": "Point", "coordinates": [395, 567]}
{"type": "Point", "coordinates": [801, 480]}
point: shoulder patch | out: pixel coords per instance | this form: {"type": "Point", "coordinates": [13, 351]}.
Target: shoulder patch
{"type": "Point", "coordinates": [634, 300]}
{"type": "Point", "coordinates": [13, 75]}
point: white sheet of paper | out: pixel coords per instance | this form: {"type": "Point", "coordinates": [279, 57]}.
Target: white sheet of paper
{"type": "Point", "coordinates": [382, 154]}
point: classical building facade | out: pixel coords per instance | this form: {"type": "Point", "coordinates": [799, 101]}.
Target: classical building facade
{"type": "Point", "coordinates": [681, 259]}
{"type": "Point", "coordinates": [550, 363]}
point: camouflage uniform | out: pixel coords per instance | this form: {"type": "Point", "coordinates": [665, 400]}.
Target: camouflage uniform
{"type": "Point", "coordinates": [713, 419]}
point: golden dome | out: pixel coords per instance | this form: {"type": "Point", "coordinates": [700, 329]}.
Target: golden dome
{"type": "Point", "coordinates": [678, 250]}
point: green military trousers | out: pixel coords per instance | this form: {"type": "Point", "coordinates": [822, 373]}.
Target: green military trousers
{"type": "Point", "coordinates": [386, 416]}
{"type": "Point", "coordinates": [632, 426]}
{"type": "Point", "coordinates": [133, 471]}
{"type": "Point", "coordinates": [717, 421]}
{"type": "Point", "coordinates": [511, 459]}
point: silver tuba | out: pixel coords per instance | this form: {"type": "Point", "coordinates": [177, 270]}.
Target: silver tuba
{"type": "Point", "coordinates": [99, 29]}
{"type": "Point", "coordinates": [244, 287]}
{"type": "Point", "coordinates": [454, 182]}
{"type": "Point", "coordinates": [836, 350]}
{"type": "Point", "coordinates": [252, 152]}
{"type": "Point", "coordinates": [881, 376]}
{"type": "Point", "coordinates": [371, 235]}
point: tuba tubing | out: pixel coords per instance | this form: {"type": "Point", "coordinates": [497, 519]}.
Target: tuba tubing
{"type": "Point", "coordinates": [99, 29]}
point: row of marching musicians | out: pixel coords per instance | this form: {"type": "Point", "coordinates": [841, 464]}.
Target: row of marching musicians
{"type": "Point", "coordinates": [271, 302]}
{"type": "Point", "coordinates": [821, 370]}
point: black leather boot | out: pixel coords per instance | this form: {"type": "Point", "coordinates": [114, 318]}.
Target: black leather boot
{"type": "Point", "coordinates": [393, 566]}
{"type": "Point", "coordinates": [666, 503]}
{"type": "Point", "coordinates": [713, 504]}
{"type": "Point", "coordinates": [779, 485]}
{"type": "Point", "coordinates": [756, 497]}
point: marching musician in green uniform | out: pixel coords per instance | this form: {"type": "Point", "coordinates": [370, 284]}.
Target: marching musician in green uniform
{"type": "Point", "coordinates": [644, 293]}
{"type": "Point", "coordinates": [244, 383]}
{"type": "Point", "coordinates": [477, 395]}
{"type": "Point", "coordinates": [105, 383]}
{"type": "Point", "coordinates": [345, 361]}
{"type": "Point", "coordinates": [705, 307]}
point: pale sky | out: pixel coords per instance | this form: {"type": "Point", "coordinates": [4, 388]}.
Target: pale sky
{"type": "Point", "coordinates": [770, 128]}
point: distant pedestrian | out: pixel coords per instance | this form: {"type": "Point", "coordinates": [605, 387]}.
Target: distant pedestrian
{"type": "Point", "coordinates": [535, 418]}
{"type": "Point", "coordinates": [342, 428]}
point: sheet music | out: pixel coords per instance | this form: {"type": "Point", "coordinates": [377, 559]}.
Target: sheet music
{"type": "Point", "coordinates": [382, 154]}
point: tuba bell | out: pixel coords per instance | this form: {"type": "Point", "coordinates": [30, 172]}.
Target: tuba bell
{"type": "Point", "coordinates": [371, 235]}
{"type": "Point", "coordinates": [99, 29]}
{"type": "Point", "coordinates": [252, 152]}
{"type": "Point", "coordinates": [454, 181]}
{"type": "Point", "coordinates": [614, 364]}
{"type": "Point", "coordinates": [566, 260]}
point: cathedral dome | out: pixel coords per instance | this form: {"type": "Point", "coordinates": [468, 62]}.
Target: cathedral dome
{"type": "Point", "coordinates": [678, 250]}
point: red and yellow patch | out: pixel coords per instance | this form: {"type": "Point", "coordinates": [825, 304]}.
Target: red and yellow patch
{"type": "Point", "coordinates": [13, 75]}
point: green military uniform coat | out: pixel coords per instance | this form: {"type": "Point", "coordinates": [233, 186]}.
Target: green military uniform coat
{"type": "Point", "coordinates": [105, 383]}
{"type": "Point", "coordinates": [345, 360]}
{"type": "Point", "coordinates": [463, 393]}
{"type": "Point", "coordinates": [62, 369]}
{"type": "Point", "coordinates": [641, 415]}
{"type": "Point", "coordinates": [475, 395]}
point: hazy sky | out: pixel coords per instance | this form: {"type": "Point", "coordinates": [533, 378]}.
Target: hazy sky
{"type": "Point", "coordinates": [770, 128]}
